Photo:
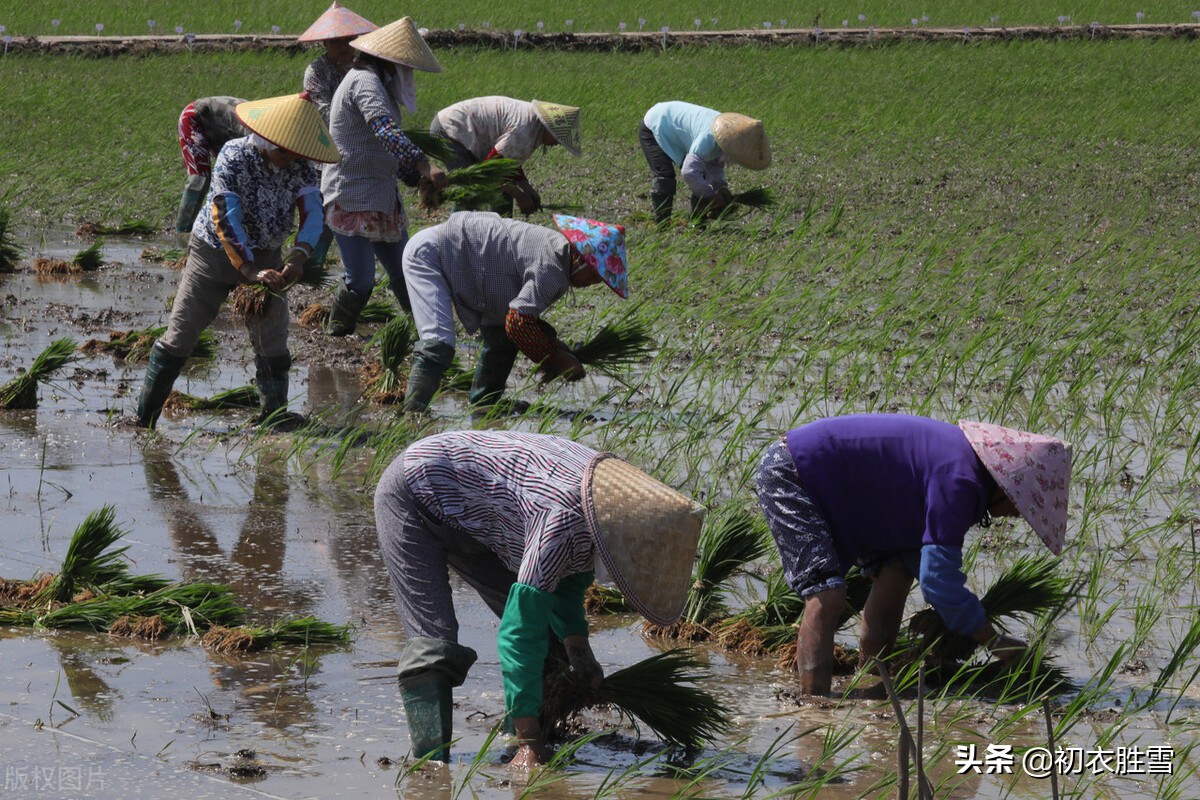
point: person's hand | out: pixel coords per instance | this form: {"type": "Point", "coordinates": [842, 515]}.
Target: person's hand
{"type": "Point", "coordinates": [583, 660]}
{"type": "Point", "coordinates": [271, 278]}
{"type": "Point", "coordinates": [531, 750]}
{"type": "Point", "coordinates": [435, 175]}
{"type": "Point", "coordinates": [527, 203]}
{"type": "Point", "coordinates": [562, 364]}
{"type": "Point", "coordinates": [293, 269]}
{"type": "Point", "coordinates": [1007, 649]}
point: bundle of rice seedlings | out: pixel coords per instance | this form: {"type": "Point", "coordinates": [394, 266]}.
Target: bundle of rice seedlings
{"type": "Point", "coordinates": [1032, 587]}
{"type": "Point", "coordinates": [21, 391]}
{"type": "Point", "coordinates": [54, 266]}
{"type": "Point", "coordinates": [655, 692]}
{"type": "Point", "coordinates": [90, 258]}
{"type": "Point", "coordinates": [733, 538]}
{"type": "Point", "coordinates": [137, 227]}
{"type": "Point", "coordinates": [472, 188]}
{"type": "Point", "coordinates": [239, 397]}
{"type": "Point", "coordinates": [90, 560]}
{"type": "Point", "coordinates": [180, 607]}
{"type": "Point", "coordinates": [10, 253]}
{"type": "Point", "coordinates": [249, 300]}
{"type": "Point", "coordinates": [395, 341]}
{"type": "Point", "coordinates": [302, 630]}
{"type": "Point", "coordinates": [170, 255]}
{"type": "Point", "coordinates": [135, 345]}
{"type": "Point", "coordinates": [758, 198]}
{"type": "Point", "coordinates": [616, 346]}
{"type": "Point", "coordinates": [435, 147]}
{"type": "Point", "coordinates": [456, 378]}
{"type": "Point", "coordinates": [314, 315]}
{"type": "Point", "coordinates": [601, 599]}
{"type": "Point", "coordinates": [317, 275]}
{"type": "Point", "coordinates": [152, 628]}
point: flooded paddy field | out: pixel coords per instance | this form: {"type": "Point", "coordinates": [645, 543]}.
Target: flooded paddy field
{"type": "Point", "coordinates": [286, 522]}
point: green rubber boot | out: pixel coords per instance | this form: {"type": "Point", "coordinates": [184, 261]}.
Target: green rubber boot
{"type": "Point", "coordinates": [190, 203]}
{"type": "Point", "coordinates": [271, 375]}
{"type": "Point", "coordinates": [428, 703]}
{"type": "Point", "coordinates": [496, 357]}
{"type": "Point", "coordinates": [431, 359]}
{"type": "Point", "coordinates": [662, 197]}
{"type": "Point", "coordinates": [161, 372]}
{"type": "Point", "coordinates": [343, 314]}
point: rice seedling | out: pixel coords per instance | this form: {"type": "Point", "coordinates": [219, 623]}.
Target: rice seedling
{"type": "Point", "coordinates": [616, 347]}
{"type": "Point", "coordinates": [21, 391]}
{"type": "Point", "coordinates": [55, 266]}
{"type": "Point", "coordinates": [395, 340]}
{"type": "Point", "coordinates": [655, 692]}
{"type": "Point", "coordinates": [169, 255]}
{"type": "Point", "coordinates": [314, 315]}
{"type": "Point", "coordinates": [435, 147]}
{"type": "Point", "coordinates": [137, 227]}
{"type": "Point", "coordinates": [10, 251]}
{"type": "Point", "coordinates": [601, 599]}
{"type": "Point", "coordinates": [90, 258]}
{"type": "Point", "coordinates": [238, 397]}
{"type": "Point", "coordinates": [182, 608]}
{"type": "Point", "coordinates": [135, 345]}
{"type": "Point", "coordinates": [472, 188]}
{"type": "Point", "coordinates": [249, 300]}
{"type": "Point", "coordinates": [305, 631]}
{"type": "Point", "coordinates": [92, 563]}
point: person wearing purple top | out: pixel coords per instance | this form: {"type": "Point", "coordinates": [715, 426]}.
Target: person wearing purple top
{"type": "Point", "coordinates": [895, 496]}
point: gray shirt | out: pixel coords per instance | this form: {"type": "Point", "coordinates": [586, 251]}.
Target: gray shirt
{"type": "Point", "coordinates": [482, 124]}
{"type": "Point", "coordinates": [493, 264]}
{"type": "Point", "coordinates": [365, 177]}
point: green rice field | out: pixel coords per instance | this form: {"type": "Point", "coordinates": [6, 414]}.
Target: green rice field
{"type": "Point", "coordinates": [1001, 231]}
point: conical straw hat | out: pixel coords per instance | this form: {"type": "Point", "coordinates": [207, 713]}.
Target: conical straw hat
{"type": "Point", "coordinates": [646, 534]}
{"type": "Point", "coordinates": [1033, 470]}
{"type": "Point", "coordinates": [743, 140]}
{"type": "Point", "coordinates": [338, 22]}
{"type": "Point", "coordinates": [291, 122]}
{"type": "Point", "coordinates": [400, 43]}
{"type": "Point", "coordinates": [562, 122]}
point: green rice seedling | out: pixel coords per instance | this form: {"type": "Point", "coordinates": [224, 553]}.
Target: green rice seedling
{"type": "Point", "coordinates": [90, 258]}
{"type": "Point", "coordinates": [457, 378]}
{"type": "Point", "coordinates": [616, 347]}
{"type": "Point", "coordinates": [395, 340]}
{"type": "Point", "coordinates": [135, 345]}
{"type": "Point", "coordinates": [306, 631]}
{"type": "Point", "coordinates": [736, 537]}
{"type": "Point", "coordinates": [435, 147]}
{"type": "Point", "coordinates": [180, 607]}
{"type": "Point", "coordinates": [168, 255]}
{"type": "Point", "coordinates": [10, 252]}
{"type": "Point", "coordinates": [655, 692]}
{"type": "Point", "coordinates": [378, 310]}
{"type": "Point", "coordinates": [21, 391]}
{"type": "Point", "coordinates": [601, 599]}
{"type": "Point", "coordinates": [250, 300]}
{"type": "Point", "coordinates": [238, 397]}
{"type": "Point", "coordinates": [92, 563]}
{"type": "Point", "coordinates": [475, 187]}
{"type": "Point", "coordinates": [137, 227]}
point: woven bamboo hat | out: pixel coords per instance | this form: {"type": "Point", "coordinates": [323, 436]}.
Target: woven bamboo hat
{"type": "Point", "coordinates": [1033, 470]}
{"type": "Point", "coordinates": [399, 42]}
{"type": "Point", "coordinates": [743, 140]}
{"type": "Point", "coordinates": [562, 122]}
{"type": "Point", "coordinates": [338, 22]}
{"type": "Point", "coordinates": [646, 534]}
{"type": "Point", "coordinates": [291, 122]}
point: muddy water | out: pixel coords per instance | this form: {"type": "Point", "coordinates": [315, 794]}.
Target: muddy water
{"type": "Point", "coordinates": [87, 715]}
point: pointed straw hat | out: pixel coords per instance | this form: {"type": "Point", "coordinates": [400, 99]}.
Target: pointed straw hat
{"type": "Point", "coordinates": [1033, 470]}
{"type": "Point", "coordinates": [291, 122]}
{"type": "Point", "coordinates": [743, 140]}
{"type": "Point", "coordinates": [399, 42]}
{"type": "Point", "coordinates": [646, 534]}
{"type": "Point", "coordinates": [338, 22]}
{"type": "Point", "coordinates": [562, 122]}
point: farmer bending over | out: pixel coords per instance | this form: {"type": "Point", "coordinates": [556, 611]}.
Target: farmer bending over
{"type": "Point", "coordinates": [503, 127]}
{"type": "Point", "coordinates": [204, 128]}
{"type": "Point", "coordinates": [500, 275]}
{"type": "Point", "coordinates": [895, 495]}
{"type": "Point", "coordinates": [698, 141]}
{"type": "Point", "coordinates": [258, 184]}
{"type": "Point", "coordinates": [521, 517]}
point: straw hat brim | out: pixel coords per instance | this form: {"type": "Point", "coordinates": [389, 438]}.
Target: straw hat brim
{"type": "Point", "coordinates": [338, 22]}
{"type": "Point", "coordinates": [646, 535]}
{"type": "Point", "coordinates": [292, 123]}
{"type": "Point", "coordinates": [401, 43]}
{"type": "Point", "coordinates": [568, 134]}
{"type": "Point", "coordinates": [743, 139]}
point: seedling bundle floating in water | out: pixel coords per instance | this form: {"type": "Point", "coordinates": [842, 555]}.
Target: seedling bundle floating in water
{"type": "Point", "coordinates": [136, 227]}
{"type": "Point", "coordinates": [135, 345]}
{"type": "Point", "coordinates": [238, 397]}
{"type": "Point", "coordinates": [21, 391]}
{"type": "Point", "coordinates": [94, 589]}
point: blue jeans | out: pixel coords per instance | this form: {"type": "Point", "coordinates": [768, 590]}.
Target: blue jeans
{"type": "Point", "coordinates": [358, 262]}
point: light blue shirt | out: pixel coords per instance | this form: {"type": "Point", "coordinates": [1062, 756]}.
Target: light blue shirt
{"type": "Point", "coordinates": [685, 133]}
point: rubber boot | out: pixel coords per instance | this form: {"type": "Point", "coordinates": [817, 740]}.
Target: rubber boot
{"type": "Point", "coordinates": [271, 375]}
{"type": "Point", "coordinates": [428, 703]}
{"type": "Point", "coordinates": [316, 259]}
{"type": "Point", "coordinates": [161, 372]}
{"type": "Point", "coordinates": [496, 356]}
{"type": "Point", "coordinates": [662, 197]}
{"type": "Point", "coordinates": [343, 313]}
{"type": "Point", "coordinates": [189, 204]}
{"type": "Point", "coordinates": [431, 359]}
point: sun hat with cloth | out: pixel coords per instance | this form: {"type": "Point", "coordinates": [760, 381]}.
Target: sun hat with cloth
{"type": "Point", "coordinates": [399, 42]}
{"type": "Point", "coordinates": [646, 535]}
{"type": "Point", "coordinates": [743, 139]}
{"type": "Point", "coordinates": [291, 122]}
{"type": "Point", "coordinates": [562, 122]}
{"type": "Point", "coordinates": [602, 246]}
{"type": "Point", "coordinates": [1033, 470]}
{"type": "Point", "coordinates": [338, 22]}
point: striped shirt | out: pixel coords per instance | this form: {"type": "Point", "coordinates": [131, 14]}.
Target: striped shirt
{"type": "Point", "coordinates": [251, 204]}
{"type": "Point", "coordinates": [365, 177]}
{"type": "Point", "coordinates": [518, 494]}
{"type": "Point", "coordinates": [510, 127]}
{"type": "Point", "coordinates": [493, 264]}
{"type": "Point", "coordinates": [321, 80]}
